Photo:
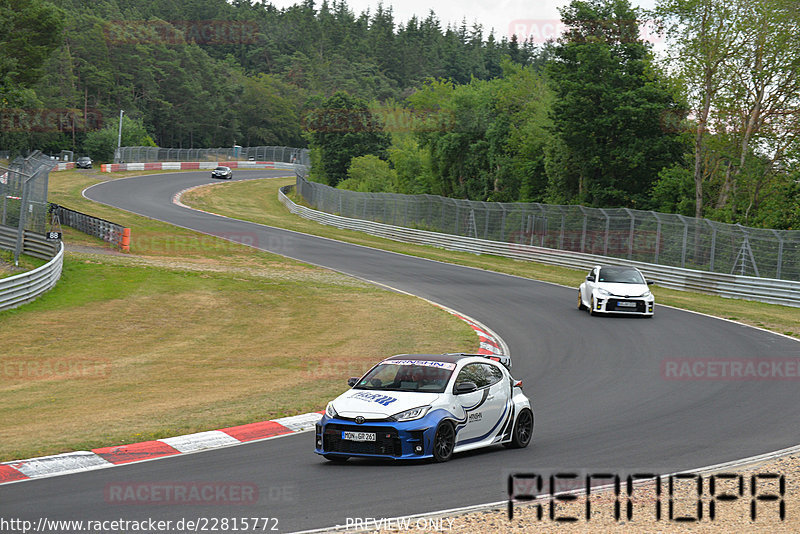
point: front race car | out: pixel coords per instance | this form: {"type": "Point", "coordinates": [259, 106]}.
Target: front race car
{"type": "Point", "coordinates": [409, 407]}
{"type": "Point", "coordinates": [615, 298]}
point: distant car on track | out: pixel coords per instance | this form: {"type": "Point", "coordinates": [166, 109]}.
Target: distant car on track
{"type": "Point", "coordinates": [222, 172]}
{"type": "Point", "coordinates": [83, 163]}
{"type": "Point", "coordinates": [610, 289]}
{"type": "Point", "coordinates": [427, 406]}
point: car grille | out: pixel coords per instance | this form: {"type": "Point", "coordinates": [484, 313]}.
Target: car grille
{"type": "Point", "coordinates": [613, 305]}
{"type": "Point", "coordinates": [386, 440]}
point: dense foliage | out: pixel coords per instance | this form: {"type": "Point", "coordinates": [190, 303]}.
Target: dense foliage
{"type": "Point", "coordinates": [593, 118]}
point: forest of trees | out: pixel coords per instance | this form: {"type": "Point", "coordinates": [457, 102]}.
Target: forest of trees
{"type": "Point", "coordinates": [707, 128]}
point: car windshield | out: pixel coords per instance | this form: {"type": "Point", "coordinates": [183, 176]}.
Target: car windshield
{"type": "Point", "coordinates": [408, 375]}
{"type": "Point", "coordinates": [221, 169]}
{"type": "Point", "coordinates": [618, 275]}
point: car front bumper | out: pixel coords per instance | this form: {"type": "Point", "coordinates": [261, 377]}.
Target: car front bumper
{"type": "Point", "coordinates": [624, 305]}
{"type": "Point", "coordinates": [411, 440]}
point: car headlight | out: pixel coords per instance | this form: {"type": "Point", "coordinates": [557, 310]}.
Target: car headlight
{"type": "Point", "coordinates": [330, 411]}
{"type": "Point", "coordinates": [602, 292]}
{"type": "Point", "coordinates": [646, 294]}
{"type": "Point", "coordinates": [413, 413]}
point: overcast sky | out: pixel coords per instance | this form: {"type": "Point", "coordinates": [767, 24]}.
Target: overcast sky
{"type": "Point", "coordinates": [536, 18]}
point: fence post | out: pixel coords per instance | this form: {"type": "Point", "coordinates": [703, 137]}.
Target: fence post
{"type": "Point", "coordinates": [583, 231]}
{"type": "Point", "coordinates": [713, 246]}
{"type": "Point", "coordinates": [780, 254]}
{"type": "Point", "coordinates": [22, 216]}
{"type": "Point", "coordinates": [685, 239]}
{"type": "Point", "coordinates": [630, 234]}
{"type": "Point", "coordinates": [608, 228]}
{"type": "Point", "coordinates": [503, 222]}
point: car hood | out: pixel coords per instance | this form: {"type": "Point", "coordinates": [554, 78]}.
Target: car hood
{"type": "Point", "coordinates": [625, 290]}
{"type": "Point", "coordinates": [372, 404]}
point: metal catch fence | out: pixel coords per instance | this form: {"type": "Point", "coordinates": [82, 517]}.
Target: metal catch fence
{"type": "Point", "coordinates": [23, 195]}
{"type": "Point", "coordinates": [641, 236]}
{"type": "Point", "coordinates": [148, 154]}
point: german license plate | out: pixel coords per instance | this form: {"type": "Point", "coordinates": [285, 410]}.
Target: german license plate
{"type": "Point", "coordinates": [625, 304]}
{"type": "Point", "coordinates": [358, 436]}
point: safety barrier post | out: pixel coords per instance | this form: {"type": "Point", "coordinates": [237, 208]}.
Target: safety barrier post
{"type": "Point", "coordinates": [126, 239]}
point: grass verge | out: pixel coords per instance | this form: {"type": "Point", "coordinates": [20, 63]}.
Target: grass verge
{"type": "Point", "coordinates": [26, 263]}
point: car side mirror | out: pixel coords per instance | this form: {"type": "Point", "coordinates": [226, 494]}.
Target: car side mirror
{"type": "Point", "coordinates": [352, 381]}
{"type": "Point", "coordinates": [466, 387]}
{"type": "Point", "coordinates": [590, 278]}
{"type": "Point", "coordinates": [650, 282]}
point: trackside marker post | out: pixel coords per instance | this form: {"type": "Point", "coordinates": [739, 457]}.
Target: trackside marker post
{"type": "Point", "coordinates": [126, 239]}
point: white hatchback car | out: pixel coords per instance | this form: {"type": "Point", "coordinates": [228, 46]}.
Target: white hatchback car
{"type": "Point", "coordinates": [611, 289]}
{"type": "Point", "coordinates": [416, 406]}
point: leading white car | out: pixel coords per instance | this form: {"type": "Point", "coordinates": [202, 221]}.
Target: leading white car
{"type": "Point", "coordinates": [611, 289]}
{"type": "Point", "coordinates": [427, 406]}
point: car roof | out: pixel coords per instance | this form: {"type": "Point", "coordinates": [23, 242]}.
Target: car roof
{"type": "Point", "coordinates": [454, 357]}
{"type": "Point", "coordinates": [448, 358]}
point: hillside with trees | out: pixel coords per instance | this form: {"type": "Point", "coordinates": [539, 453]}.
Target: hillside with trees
{"type": "Point", "coordinates": [707, 128]}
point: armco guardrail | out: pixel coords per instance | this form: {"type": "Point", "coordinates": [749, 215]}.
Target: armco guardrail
{"type": "Point", "coordinates": [33, 244]}
{"type": "Point", "coordinates": [733, 286]}
{"type": "Point", "coordinates": [25, 287]}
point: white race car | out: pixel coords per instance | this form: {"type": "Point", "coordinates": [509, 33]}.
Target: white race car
{"type": "Point", "coordinates": [616, 290]}
{"type": "Point", "coordinates": [415, 406]}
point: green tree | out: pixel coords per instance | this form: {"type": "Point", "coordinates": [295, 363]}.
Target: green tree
{"type": "Point", "coordinates": [268, 112]}
{"type": "Point", "coordinates": [100, 144]}
{"type": "Point", "coordinates": [32, 30]}
{"type": "Point", "coordinates": [610, 100]}
{"type": "Point", "coordinates": [370, 174]}
{"type": "Point", "coordinates": [341, 128]}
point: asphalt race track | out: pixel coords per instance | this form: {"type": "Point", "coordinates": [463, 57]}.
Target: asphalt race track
{"type": "Point", "coordinates": [596, 384]}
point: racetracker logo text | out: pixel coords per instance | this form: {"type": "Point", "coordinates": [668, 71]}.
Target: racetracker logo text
{"type": "Point", "coordinates": [187, 493]}
{"type": "Point", "coordinates": [731, 369]}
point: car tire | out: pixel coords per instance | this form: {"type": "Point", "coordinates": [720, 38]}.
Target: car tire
{"type": "Point", "coordinates": [336, 459]}
{"type": "Point", "coordinates": [591, 306]}
{"type": "Point", "coordinates": [580, 302]}
{"type": "Point", "coordinates": [523, 430]}
{"type": "Point", "coordinates": [444, 441]}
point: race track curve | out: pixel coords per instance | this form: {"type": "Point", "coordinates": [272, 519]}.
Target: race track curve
{"type": "Point", "coordinates": [596, 384]}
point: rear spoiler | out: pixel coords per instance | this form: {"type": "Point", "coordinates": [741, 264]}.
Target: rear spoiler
{"type": "Point", "coordinates": [502, 358]}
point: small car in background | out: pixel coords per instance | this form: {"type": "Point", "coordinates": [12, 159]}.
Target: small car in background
{"type": "Point", "coordinates": [222, 172]}
{"type": "Point", "coordinates": [427, 406]}
{"type": "Point", "coordinates": [611, 289]}
{"type": "Point", "coordinates": [84, 162]}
